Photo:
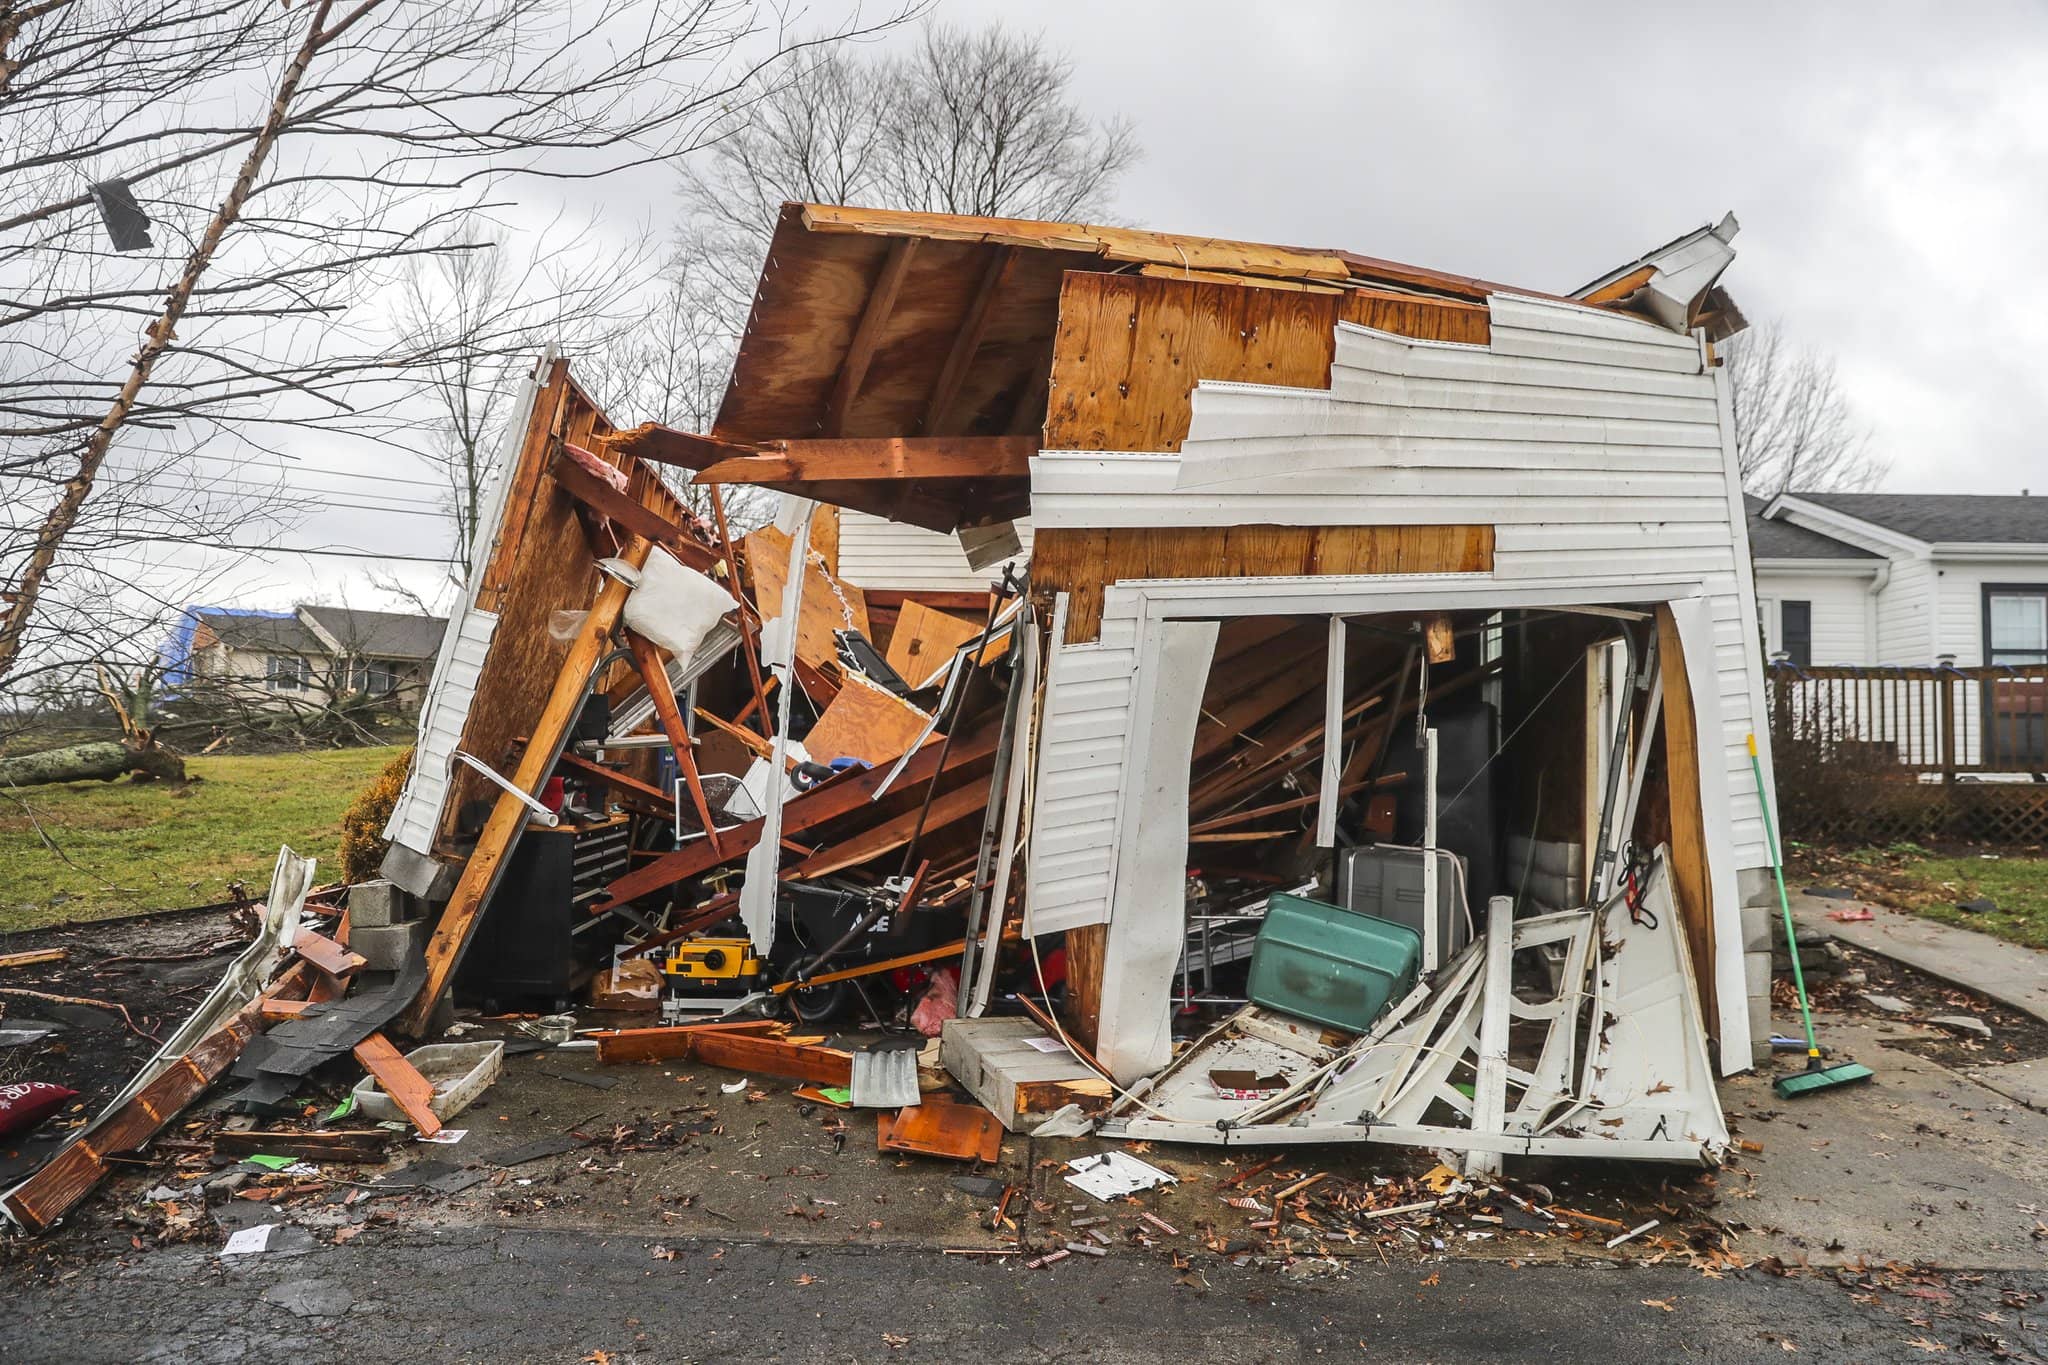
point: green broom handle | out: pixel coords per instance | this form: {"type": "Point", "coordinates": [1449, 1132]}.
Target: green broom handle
{"type": "Point", "coordinates": [1763, 801]}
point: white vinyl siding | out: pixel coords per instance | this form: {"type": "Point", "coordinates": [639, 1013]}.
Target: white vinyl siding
{"type": "Point", "coordinates": [417, 813]}
{"type": "Point", "coordinates": [892, 556]}
{"type": "Point", "coordinates": [1592, 442]}
{"type": "Point", "coordinates": [1843, 612]}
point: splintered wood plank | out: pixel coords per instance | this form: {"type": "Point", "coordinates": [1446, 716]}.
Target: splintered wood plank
{"type": "Point", "coordinates": [925, 639]}
{"type": "Point", "coordinates": [939, 1127]}
{"type": "Point", "coordinates": [666, 445]}
{"type": "Point", "coordinates": [768, 1057]}
{"type": "Point", "coordinates": [324, 953]}
{"type": "Point", "coordinates": [970, 798]}
{"type": "Point", "coordinates": [45, 1197]}
{"type": "Point", "coordinates": [401, 1080]}
{"type": "Point", "coordinates": [865, 721]}
{"type": "Point", "coordinates": [34, 957]}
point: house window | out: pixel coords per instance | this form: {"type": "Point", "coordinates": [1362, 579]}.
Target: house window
{"type": "Point", "coordinates": [285, 673]}
{"type": "Point", "coordinates": [2015, 625]}
{"type": "Point", "coordinates": [1795, 632]}
{"type": "Point", "coordinates": [373, 677]}
{"type": "Point", "coordinates": [2015, 708]}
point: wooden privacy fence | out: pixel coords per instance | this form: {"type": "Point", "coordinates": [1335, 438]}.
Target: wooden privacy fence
{"type": "Point", "coordinates": [1886, 753]}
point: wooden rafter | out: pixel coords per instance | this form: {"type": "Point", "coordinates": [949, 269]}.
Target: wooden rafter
{"type": "Point", "coordinates": [946, 391]}
{"type": "Point", "coordinates": [918, 457]}
{"type": "Point", "coordinates": [867, 334]}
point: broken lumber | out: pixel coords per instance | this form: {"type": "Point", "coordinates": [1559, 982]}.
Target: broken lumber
{"type": "Point", "coordinates": [34, 957]}
{"type": "Point", "coordinates": [324, 953]}
{"type": "Point", "coordinates": [401, 1080]}
{"type": "Point", "coordinates": [667, 1042]}
{"type": "Point", "coordinates": [734, 1047]}
{"type": "Point", "coordinates": [45, 1197]}
{"type": "Point", "coordinates": [354, 1146]}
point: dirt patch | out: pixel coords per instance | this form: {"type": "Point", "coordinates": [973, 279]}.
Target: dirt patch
{"type": "Point", "coordinates": [157, 968]}
{"type": "Point", "coordinates": [2015, 1036]}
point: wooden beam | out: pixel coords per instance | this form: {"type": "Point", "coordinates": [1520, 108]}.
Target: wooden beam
{"type": "Point", "coordinates": [973, 326]}
{"type": "Point", "coordinates": [34, 957]}
{"type": "Point", "coordinates": [953, 949]}
{"type": "Point", "coordinates": [967, 799]}
{"type": "Point", "coordinates": [324, 953]}
{"type": "Point", "coordinates": [409, 1090]}
{"type": "Point", "coordinates": [647, 658]}
{"type": "Point", "coordinates": [867, 334]}
{"type": "Point", "coordinates": [666, 445]}
{"type": "Point", "coordinates": [735, 1048]}
{"type": "Point", "coordinates": [892, 457]}
{"type": "Point", "coordinates": [616, 780]}
{"type": "Point", "coordinates": [508, 815]}
{"type": "Point", "coordinates": [827, 801]}
{"type": "Point", "coordinates": [602, 498]}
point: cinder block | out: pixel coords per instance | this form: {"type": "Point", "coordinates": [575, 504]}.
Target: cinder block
{"type": "Point", "coordinates": [1759, 1030]}
{"type": "Point", "coordinates": [1756, 929]}
{"type": "Point", "coordinates": [387, 947]}
{"type": "Point", "coordinates": [376, 904]}
{"type": "Point", "coordinates": [1756, 975]}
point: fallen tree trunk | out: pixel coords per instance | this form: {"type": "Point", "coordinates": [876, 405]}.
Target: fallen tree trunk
{"type": "Point", "coordinates": [98, 761]}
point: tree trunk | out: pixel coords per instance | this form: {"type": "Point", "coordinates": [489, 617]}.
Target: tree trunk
{"type": "Point", "coordinates": [99, 761]}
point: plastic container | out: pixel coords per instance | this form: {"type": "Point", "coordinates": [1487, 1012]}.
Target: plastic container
{"type": "Point", "coordinates": [1331, 965]}
{"type": "Point", "coordinates": [459, 1072]}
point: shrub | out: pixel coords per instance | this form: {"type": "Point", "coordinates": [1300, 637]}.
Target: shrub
{"type": "Point", "coordinates": [362, 825]}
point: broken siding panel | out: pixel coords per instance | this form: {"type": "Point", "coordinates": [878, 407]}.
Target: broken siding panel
{"type": "Point", "coordinates": [1591, 442]}
{"type": "Point", "coordinates": [892, 556]}
{"type": "Point", "coordinates": [417, 813]}
{"type": "Point", "coordinates": [1071, 861]}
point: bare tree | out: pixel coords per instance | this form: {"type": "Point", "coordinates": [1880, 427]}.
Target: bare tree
{"type": "Point", "coordinates": [291, 159]}
{"type": "Point", "coordinates": [1794, 430]}
{"type": "Point", "coordinates": [976, 122]}
{"type": "Point", "coordinates": [474, 318]}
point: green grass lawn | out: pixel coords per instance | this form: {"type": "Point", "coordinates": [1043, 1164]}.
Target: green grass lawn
{"type": "Point", "coordinates": [126, 847]}
{"type": "Point", "coordinates": [1909, 877]}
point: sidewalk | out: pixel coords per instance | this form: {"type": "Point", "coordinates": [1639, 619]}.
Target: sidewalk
{"type": "Point", "coordinates": [2013, 976]}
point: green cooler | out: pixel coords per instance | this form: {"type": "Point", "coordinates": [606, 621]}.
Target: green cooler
{"type": "Point", "coordinates": [1331, 965]}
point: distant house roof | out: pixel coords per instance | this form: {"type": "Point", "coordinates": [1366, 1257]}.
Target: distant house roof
{"type": "Point", "coordinates": [377, 634]}
{"type": "Point", "coordinates": [1969, 518]}
{"type": "Point", "coordinates": [1782, 540]}
{"type": "Point", "coordinates": [283, 633]}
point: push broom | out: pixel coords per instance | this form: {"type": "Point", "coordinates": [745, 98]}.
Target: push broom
{"type": "Point", "coordinates": [1816, 1077]}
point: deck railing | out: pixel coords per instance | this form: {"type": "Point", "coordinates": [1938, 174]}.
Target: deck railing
{"type": "Point", "coordinates": [1883, 753]}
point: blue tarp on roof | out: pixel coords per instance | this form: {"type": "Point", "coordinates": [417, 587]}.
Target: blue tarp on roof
{"type": "Point", "coordinates": [176, 652]}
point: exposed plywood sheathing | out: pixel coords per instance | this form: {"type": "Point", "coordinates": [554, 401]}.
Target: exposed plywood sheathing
{"type": "Point", "coordinates": [1130, 351]}
{"type": "Point", "coordinates": [827, 606]}
{"type": "Point", "coordinates": [1083, 562]}
{"type": "Point", "coordinates": [865, 721]}
{"type": "Point", "coordinates": [924, 640]}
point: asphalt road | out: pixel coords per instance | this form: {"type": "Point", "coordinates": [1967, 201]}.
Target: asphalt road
{"type": "Point", "coordinates": [487, 1295]}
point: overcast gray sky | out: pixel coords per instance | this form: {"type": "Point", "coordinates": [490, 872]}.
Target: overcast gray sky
{"type": "Point", "coordinates": [1889, 164]}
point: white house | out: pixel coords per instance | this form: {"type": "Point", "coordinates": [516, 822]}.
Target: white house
{"type": "Point", "coordinates": [1878, 581]}
{"type": "Point", "coordinates": [1902, 578]}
